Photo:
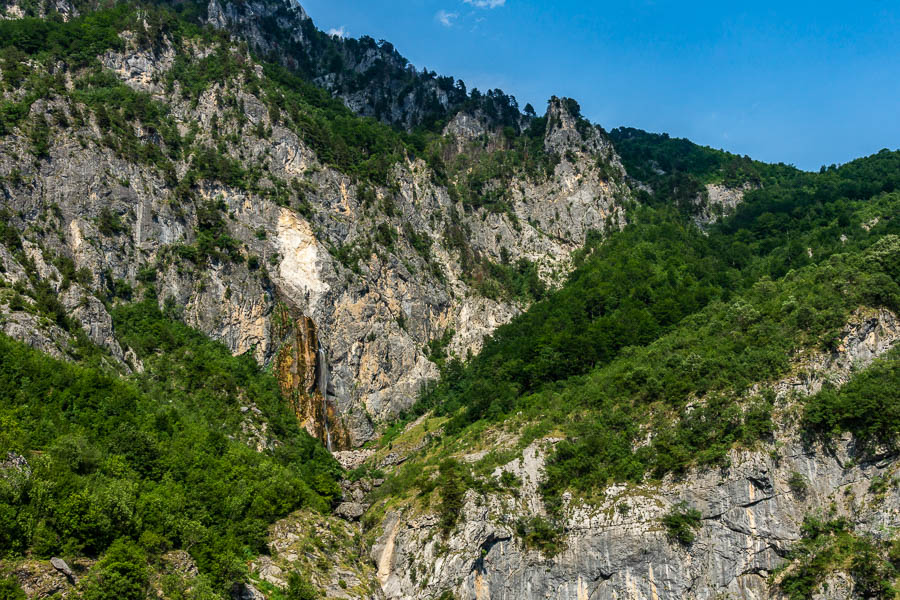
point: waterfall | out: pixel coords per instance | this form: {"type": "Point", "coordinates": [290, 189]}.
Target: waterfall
{"type": "Point", "coordinates": [322, 384]}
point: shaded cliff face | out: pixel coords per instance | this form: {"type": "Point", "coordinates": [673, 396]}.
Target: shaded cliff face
{"type": "Point", "coordinates": [372, 78]}
{"type": "Point", "coordinates": [378, 270]}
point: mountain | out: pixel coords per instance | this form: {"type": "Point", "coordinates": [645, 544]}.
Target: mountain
{"type": "Point", "coordinates": [549, 360]}
{"type": "Point", "coordinates": [253, 201]}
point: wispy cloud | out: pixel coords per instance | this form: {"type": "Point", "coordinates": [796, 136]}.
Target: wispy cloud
{"type": "Point", "coordinates": [486, 3]}
{"type": "Point", "coordinates": [447, 18]}
{"type": "Point", "coordinates": [341, 32]}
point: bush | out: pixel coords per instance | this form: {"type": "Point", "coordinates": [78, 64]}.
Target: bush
{"type": "Point", "coordinates": [10, 590]}
{"type": "Point", "coordinates": [540, 534]}
{"type": "Point", "coordinates": [453, 494]}
{"type": "Point", "coordinates": [680, 523]}
{"type": "Point", "coordinates": [109, 223]}
{"type": "Point", "coordinates": [299, 588]}
{"type": "Point", "coordinates": [120, 575]}
{"type": "Point", "coordinates": [798, 484]}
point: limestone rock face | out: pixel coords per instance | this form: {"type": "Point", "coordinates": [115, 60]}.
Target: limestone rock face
{"type": "Point", "coordinates": [326, 549]}
{"type": "Point", "coordinates": [368, 304]}
{"type": "Point", "coordinates": [43, 579]}
{"type": "Point", "coordinates": [304, 376]}
{"type": "Point", "coordinates": [619, 549]}
{"type": "Point", "coordinates": [246, 18]}
{"type": "Point", "coordinates": [719, 201]}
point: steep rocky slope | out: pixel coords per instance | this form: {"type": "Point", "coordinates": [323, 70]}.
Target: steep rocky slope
{"type": "Point", "coordinates": [373, 316]}
{"type": "Point", "coordinates": [371, 77]}
{"type": "Point", "coordinates": [751, 513]}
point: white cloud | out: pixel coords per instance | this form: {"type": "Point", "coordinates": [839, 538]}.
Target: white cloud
{"type": "Point", "coordinates": [447, 18]}
{"type": "Point", "coordinates": [486, 3]}
{"type": "Point", "coordinates": [341, 32]}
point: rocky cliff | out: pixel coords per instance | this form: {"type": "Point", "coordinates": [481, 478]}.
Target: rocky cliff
{"type": "Point", "coordinates": [306, 242]}
{"type": "Point", "coordinates": [372, 78]}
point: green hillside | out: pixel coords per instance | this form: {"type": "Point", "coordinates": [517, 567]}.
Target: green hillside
{"type": "Point", "coordinates": [155, 461]}
{"type": "Point", "coordinates": [663, 327]}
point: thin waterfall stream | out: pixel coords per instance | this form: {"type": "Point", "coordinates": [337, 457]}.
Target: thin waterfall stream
{"type": "Point", "coordinates": [323, 388]}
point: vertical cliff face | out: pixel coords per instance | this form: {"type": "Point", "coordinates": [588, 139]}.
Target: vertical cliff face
{"type": "Point", "coordinates": [301, 367]}
{"type": "Point", "coordinates": [272, 27]}
{"type": "Point", "coordinates": [751, 518]}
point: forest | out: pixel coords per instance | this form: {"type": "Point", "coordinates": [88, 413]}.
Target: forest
{"type": "Point", "coordinates": [139, 466]}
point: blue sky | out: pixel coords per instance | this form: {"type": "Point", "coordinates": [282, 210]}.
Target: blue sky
{"type": "Point", "coordinates": [807, 83]}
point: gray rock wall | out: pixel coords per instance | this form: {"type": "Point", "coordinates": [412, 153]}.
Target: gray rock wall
{"type": "Point", "coordinates": [374, 319]}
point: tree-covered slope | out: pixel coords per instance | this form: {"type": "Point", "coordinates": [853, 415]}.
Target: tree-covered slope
{"type": "Point", "coordinates": [633, 287]}
{"type": "Point", "coordinates": [196, 452]}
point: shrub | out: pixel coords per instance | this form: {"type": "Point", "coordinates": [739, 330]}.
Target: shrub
{"type": "Point", "coordinates": [109, 223]}
{"type": "Point", "coordinates": [10, 590]}
{"type": "Point", "coordinates": [299, 588]}
{"type": "Point", "coordinates": [680, 523]}
{"type": "Point", "coordinates": [798, 484]}
{"type": "Point", "coordinates": [120, 575]}
{"type": "Point", "coordinates": [540, 534]}
{"type": "Point", "coordinates": [453, 494]}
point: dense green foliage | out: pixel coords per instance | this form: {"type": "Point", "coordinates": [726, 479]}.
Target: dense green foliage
{"type": "Point", "coordinates": [122, 574]}
{"type": "Point", "coordinates": [680, 523]}
{"type": "Point", "coordinates": [299, 588]}
{"type": "Point", "coordinates": [829, 546]}
{"type": "Point", "coordinates": [157, 457]}
{"type": "Point", "coordinates": [453, 492]}
{"type": "Point", "coordinates": [10, 590]}
{"type": "Point", "coordinates": [646, 154]}
{"type": "Point", "coordinates": [541, 534]}
{"type": "Point", "coordinates": [662, 327]}
{"type": "Point", "coordinates": [867, 406]}
{"type": "Point", "coordinates": [78, 41]}
{"type": "Point", "coordinates": [677, 169]}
